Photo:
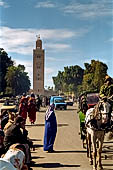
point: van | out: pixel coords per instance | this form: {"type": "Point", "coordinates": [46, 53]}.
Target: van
{"type": "Point", "coordinates": [58, 102]}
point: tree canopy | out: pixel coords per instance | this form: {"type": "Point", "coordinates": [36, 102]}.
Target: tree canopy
{"type": "Point", "coordinates": [5, 62]}
{"type": "Point", "coordinates": [76, 80]}
{"type": "Point", "coordinates": [94, 75]}
{"type": "Point", "coordinates": [17, 80]}
{"type": "Point", "coordinates": [13, 79]}
{"type": "Point", "coordinates": [69, 79]}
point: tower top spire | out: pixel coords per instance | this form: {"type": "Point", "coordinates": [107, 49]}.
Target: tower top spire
{"type": "Point", "coordinates": [38, 42]}
{"type": "Point", "coordinates": [38, 36]}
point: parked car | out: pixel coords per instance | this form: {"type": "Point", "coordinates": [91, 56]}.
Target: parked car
{"type": "Point", "coordinates": [59, 102]}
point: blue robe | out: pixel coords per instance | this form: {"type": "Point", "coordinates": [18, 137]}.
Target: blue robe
{"type": "Point", "coordinates": [50, 132]}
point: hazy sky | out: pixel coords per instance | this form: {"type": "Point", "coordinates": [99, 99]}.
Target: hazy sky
{"type": "Point", "coordinates": [72, 31]}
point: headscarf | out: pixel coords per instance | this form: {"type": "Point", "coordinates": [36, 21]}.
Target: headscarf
{"type": "Point", "coordinates": [15, 158]}
{"type": "Point", "coordinates": [19, 119]}
{"type": "Point", "coordinates": [49, 111]}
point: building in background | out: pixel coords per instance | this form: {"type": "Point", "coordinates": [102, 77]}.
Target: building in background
{"type": "Point", "coordinates": [38, 68]}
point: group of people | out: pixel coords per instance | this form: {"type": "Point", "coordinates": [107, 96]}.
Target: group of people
{"type": "Point", "coordinates": [28, 107]}
{"type": "Point", "coordinates": [15, 145]}
{"type": "Point", "coordinates": [14, 142]}
{"type": "Point", "coordinates": [13, 131]}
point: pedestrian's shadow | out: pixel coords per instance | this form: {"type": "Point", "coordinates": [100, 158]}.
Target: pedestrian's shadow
{"type": "Point", "coordinates": [59, 125]}
{"type": "Point", "coordinates": [36, 139]}
{"type": "Point", "coordinates": [53, 165]}
{"type": "Point", "coordinates": [37, 146]}
{"type": "Point", "coordinates": [82, 151]}
{"type": "Point", "coordinates": [110, 165]}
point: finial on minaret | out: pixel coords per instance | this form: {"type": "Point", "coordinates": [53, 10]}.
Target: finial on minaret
{"type": "Point", "coordinates": [38, 36]}
{"type": "Point", "coordinates": [38, 42]}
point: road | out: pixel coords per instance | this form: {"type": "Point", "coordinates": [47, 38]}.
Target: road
{"type": "Point", "coordinates": [69, 153]}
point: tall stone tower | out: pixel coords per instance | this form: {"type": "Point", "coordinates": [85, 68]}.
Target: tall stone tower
{"type": "Point", "coordinates": [38, 68]}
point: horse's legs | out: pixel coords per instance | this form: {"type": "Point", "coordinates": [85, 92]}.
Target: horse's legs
{"type": "Point", "coordinates": [101, 140]}
{"type": "Point", "coordinates": [88, 141]}
{"type": "Point", "coordinates": [93, 139]}
{"type": "Point", "coordinates": [90, 154]}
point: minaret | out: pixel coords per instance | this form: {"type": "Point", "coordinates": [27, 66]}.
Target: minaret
{"type": "Point", "coordinates": [38, 68]}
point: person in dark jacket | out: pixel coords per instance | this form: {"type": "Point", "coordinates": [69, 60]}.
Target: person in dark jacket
{"type": "Point", "coordinates": [15, 135]}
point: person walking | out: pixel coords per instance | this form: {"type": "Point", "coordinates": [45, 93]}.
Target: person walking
{"type": "Point", "coordinates": [23, 107]}
{"type": "Point", "coordinates": [50, 129]}
{"type": "Point", "coordinates": [32, 109]}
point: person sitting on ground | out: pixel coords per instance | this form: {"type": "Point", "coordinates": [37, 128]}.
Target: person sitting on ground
{"type": "Point", "coordinates": [14, 135]}
{"type": "Point", "coordinates": [2, 148]}
{"type": "Point", "coordinates": [4, 118]}
{"type": "Point", "coordinates": [12, 116]}
{"type": "Point", "coordinates": [14, 158]}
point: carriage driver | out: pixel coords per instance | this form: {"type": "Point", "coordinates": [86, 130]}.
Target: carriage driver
{"type": "Point", "coordinates": [106, 92]}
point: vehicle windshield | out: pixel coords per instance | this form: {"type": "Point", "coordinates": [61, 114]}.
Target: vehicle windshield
{"type": "Point", "coordinates": [59, 100]}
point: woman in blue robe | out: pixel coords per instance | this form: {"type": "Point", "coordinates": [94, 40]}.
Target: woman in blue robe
{"type": "Point", "coordinates": [50, 129]}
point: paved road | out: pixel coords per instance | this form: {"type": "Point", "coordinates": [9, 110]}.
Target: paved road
{"type": "Point", "coordinates": [69, 153]}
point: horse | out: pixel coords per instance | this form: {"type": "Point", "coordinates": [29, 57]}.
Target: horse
{"type": "Point", "coordinates": [96, 121]}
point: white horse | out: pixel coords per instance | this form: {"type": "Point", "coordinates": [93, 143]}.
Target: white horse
{"type": "Point", "coordinates": [96, 121]}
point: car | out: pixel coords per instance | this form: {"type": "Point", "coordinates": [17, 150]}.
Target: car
{"type": "Point", "coordinates": [59, 102]}
{"type": "Point", "coordinates": [69, 103]}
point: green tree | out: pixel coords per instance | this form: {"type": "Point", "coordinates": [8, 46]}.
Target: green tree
{"type": "Point", "coordinates": [17, 80]}
{"type": "Point", "coordinates": [58, 81]}
{"type": "Point", "coordinates": [94, 75]}
{"type": "Point", "coordinates": [5, 62]}
{"type": "Point", "coordinates": [69, 79]}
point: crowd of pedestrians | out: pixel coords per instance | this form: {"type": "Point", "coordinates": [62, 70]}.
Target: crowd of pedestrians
{"type": "Point", "coordinates": [14, 142]}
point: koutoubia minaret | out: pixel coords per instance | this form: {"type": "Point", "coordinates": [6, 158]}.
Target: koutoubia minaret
{"type": "Point", "coordinates": [38, 68]}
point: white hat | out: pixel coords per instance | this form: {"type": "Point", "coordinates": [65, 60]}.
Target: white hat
{"type": "Point", "coordinates": [5, 165]}
{"type": "Point", "coordinates": [15, 157]}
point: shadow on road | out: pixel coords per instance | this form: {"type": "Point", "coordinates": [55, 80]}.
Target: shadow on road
{"type": "Point", "coordinates": [69, 152]}
{"type": "Point", "coordinates": [59, 125]}
{"type": "Point", "coordinates": [36, 140]}
{"type": "Point", "coordinates": [37, 157]}
{"type": "Point", "coordinates": [37, 146]}
{"type": "Point", "coordinates": [108, 165]}
{"type": "Point", "coordinates": [107, 169]}
{"type": "Point", "coordinates": [53, 165]}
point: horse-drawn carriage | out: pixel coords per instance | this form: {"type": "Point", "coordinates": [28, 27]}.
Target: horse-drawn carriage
{"type": "Point", "coordinates": [98, 121]}
{"type": "Point", "coordinates": [86, 100]}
